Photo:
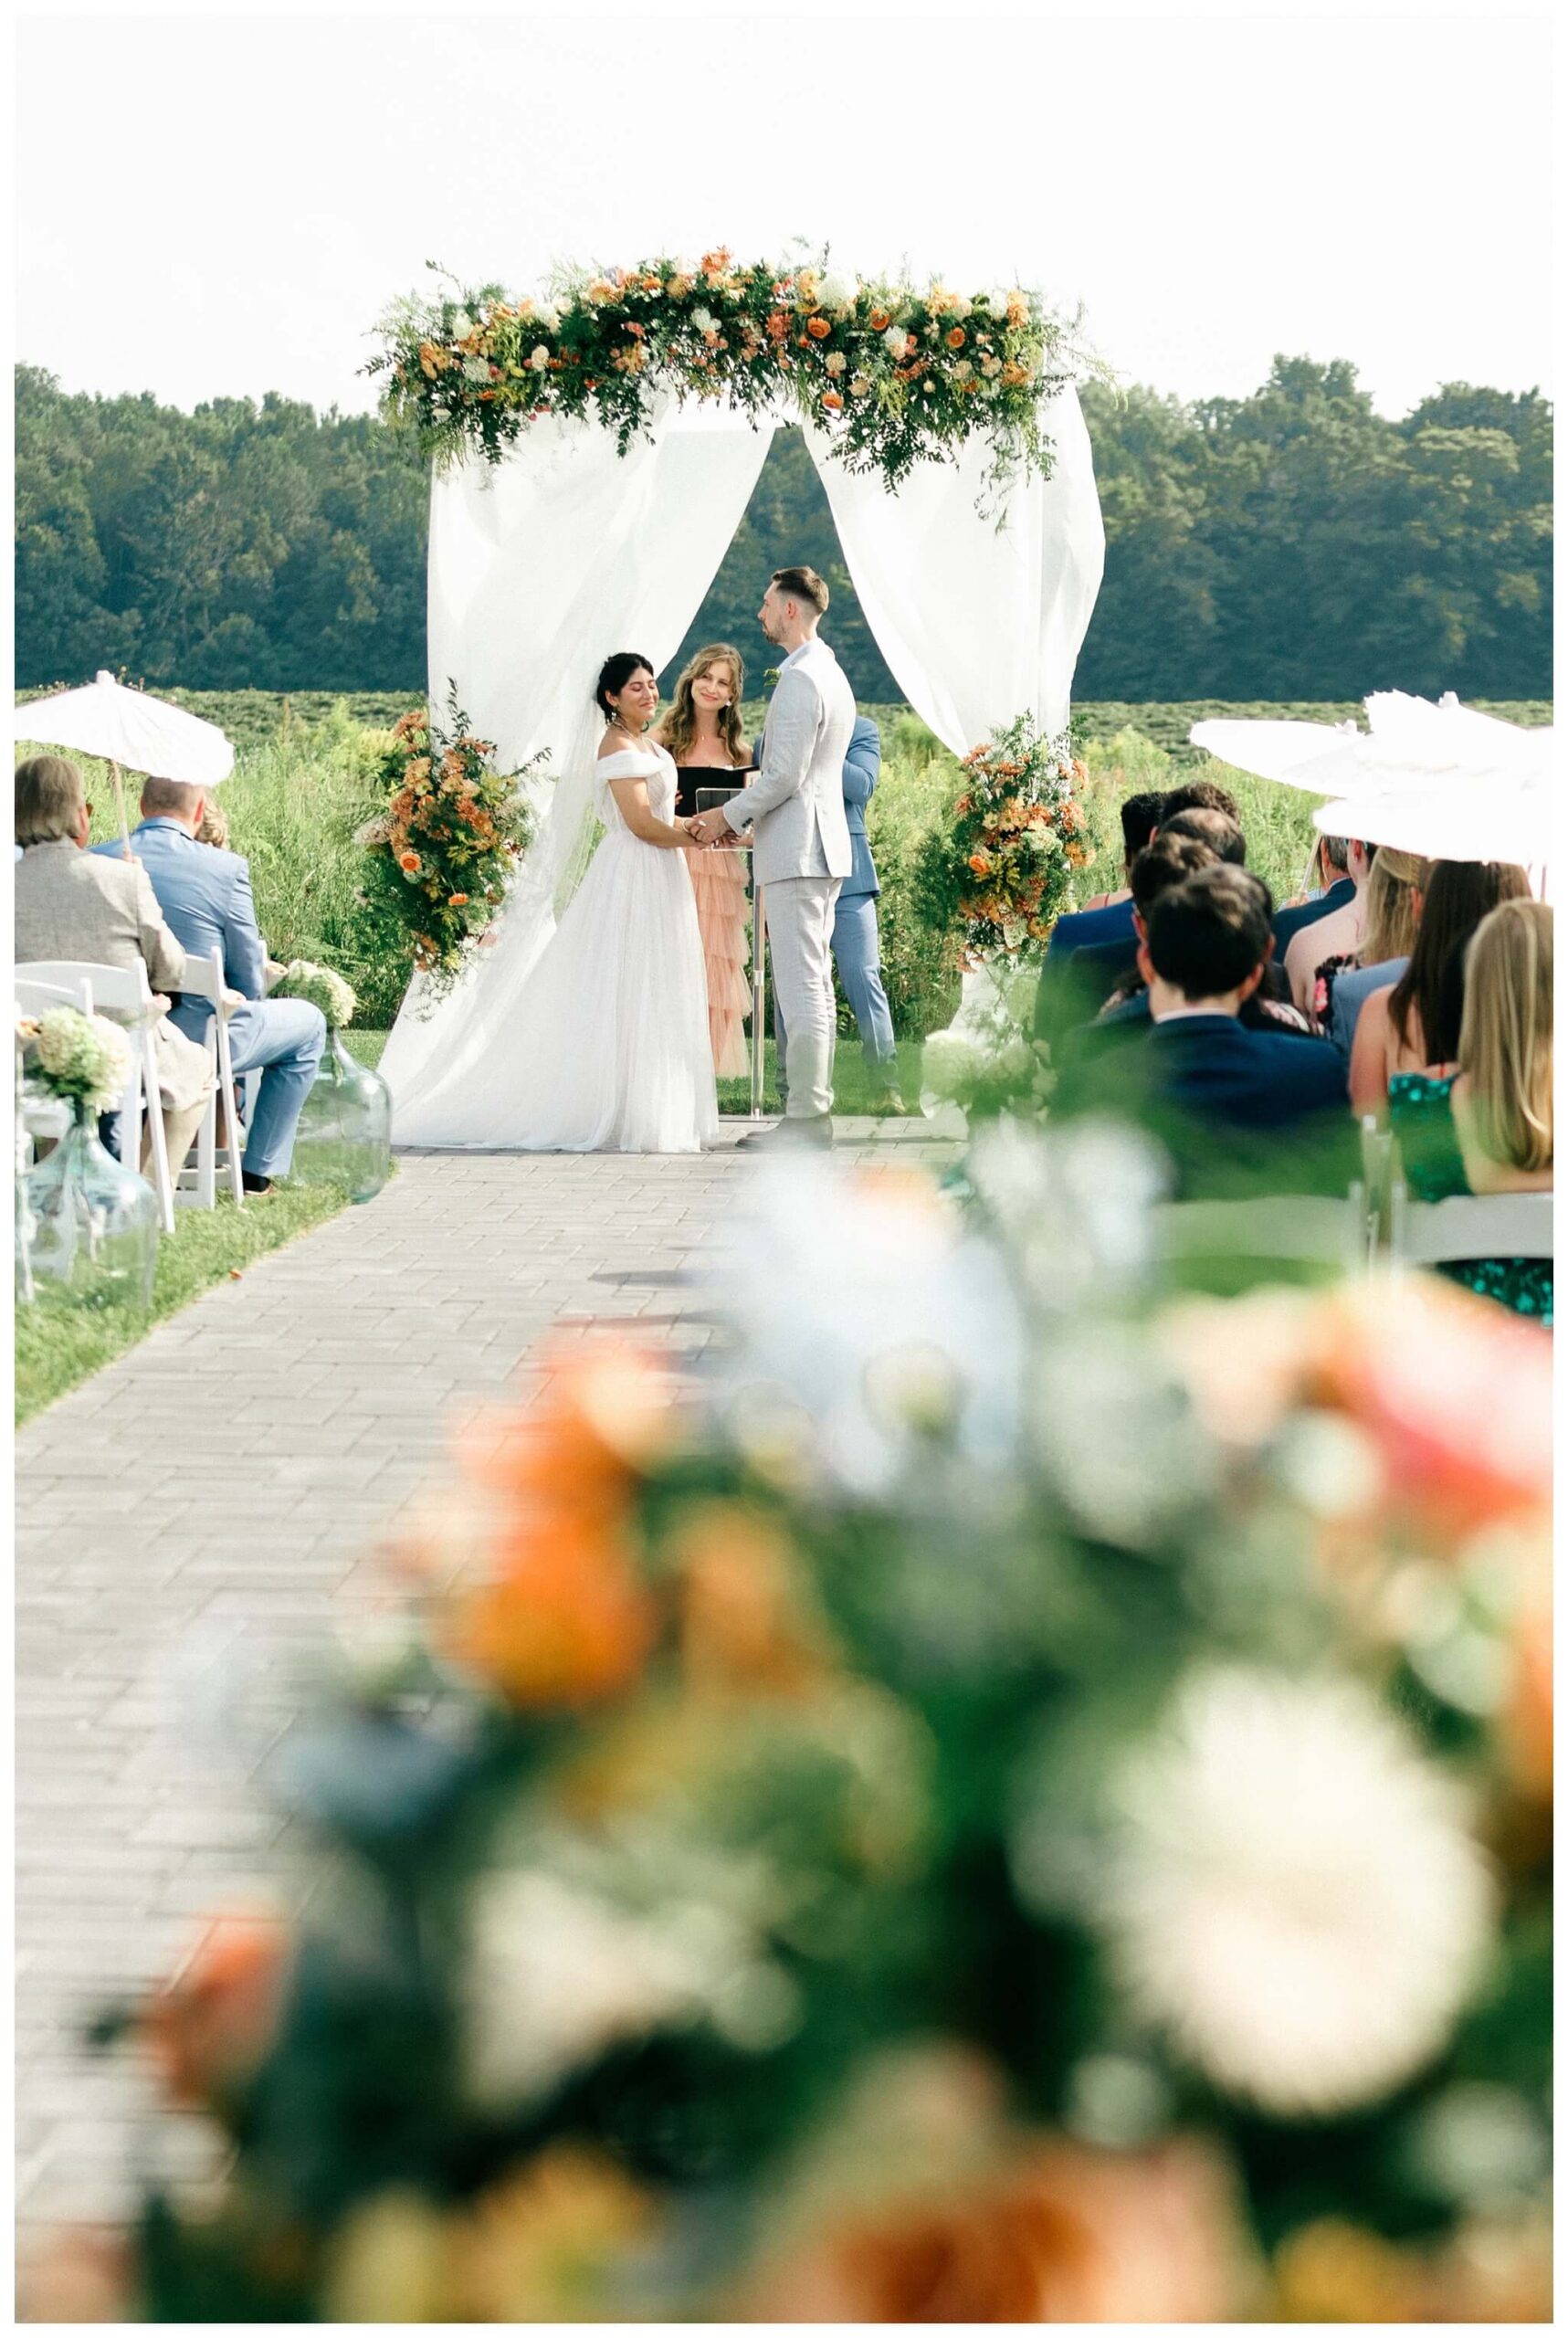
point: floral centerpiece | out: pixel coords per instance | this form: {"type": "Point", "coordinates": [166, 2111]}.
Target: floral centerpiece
{"type": "Point", "coordinates": [318, 986]}
{"type": "Point", "coordinates": [454, 828]}
{"type": "Point", "coordinates": [84, 1059]}
{"type": "Point", "coordinates": [1022, 1798]}
{"type": "Point", "coordinates": [896, 373]}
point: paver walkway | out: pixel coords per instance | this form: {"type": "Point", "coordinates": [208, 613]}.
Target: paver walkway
{"type": "Point", "coordinates": [220, 1488]}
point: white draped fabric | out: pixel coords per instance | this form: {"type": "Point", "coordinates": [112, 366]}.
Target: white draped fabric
{"type": "Point", "coordinates": [544, 564]}
{"type": "Point", "coordinates": [977, 624]}
{"type": "Point", "coordinates": [540, 567]}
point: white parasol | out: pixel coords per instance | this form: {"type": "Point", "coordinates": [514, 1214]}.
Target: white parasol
{"type": "Point", "coordinates": [1272, 750]}
{"type": "Point", "coordinates": [1495, 820]}
{"type": "Point", "coordinates": [128, 730]}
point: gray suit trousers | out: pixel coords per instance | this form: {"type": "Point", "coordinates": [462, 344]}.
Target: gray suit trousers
{"type": "Point", "coordinates": [798, 911]}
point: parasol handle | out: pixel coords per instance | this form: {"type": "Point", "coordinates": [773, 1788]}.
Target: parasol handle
{"type": "Point", "coordinates": [120, 807]}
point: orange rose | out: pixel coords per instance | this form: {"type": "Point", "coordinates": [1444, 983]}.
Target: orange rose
{"type": "Point", "coordinates": [832, 401]}
{"type": "Point", "coordinates": [568, 1620]}
{"type": "Point", "coordinates": [880, 320]}
{"type": "Point", "coordinates": [818, 328]}
{"type": "Point", "coordinates": [210, 2029]}
{"type": "Point", "coordinates": [978, 862]}
{"type": "Point", "coordinates": [956, 337]}
{"type": "Point", "coordinates": [458, 901]}
{"type": "Point", "coordinates": [410, 863]}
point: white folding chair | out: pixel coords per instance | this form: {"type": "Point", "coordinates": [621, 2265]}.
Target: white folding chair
{"type": "Point", "coordinates": [198, 1187]}
{"type": "Point", "coordinates": [1308, 1228]}
{"type": "Point", "coordinates": [121, 993]}
{"type": "Point", "coordinates": [1470, 1226]}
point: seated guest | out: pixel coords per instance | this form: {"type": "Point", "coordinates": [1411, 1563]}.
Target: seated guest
{"type": "Point", "coordinates": [1108, 971]}
{"type": "Point", "coordinates": [205, 893]}
{"type": "Point", "coordinates": [72, 904]}
{"type": "Point", "coordinates": [1487, 1127]}
{"type": "Point", "coordinates": [1140, 818]}
{"type": "Point", "coordinates": [1335, 936]}
{"type": "Point", "coordinates": [1330, 867]}
{"type": "Point", "coordinates": [1392, 913]}
{"type": "Point", "coordinates": [1175, 854]}
{"type": "Point", "coordinates": [1089, 951]}
{"type": "Point", "coordinates": [1414, 1023]}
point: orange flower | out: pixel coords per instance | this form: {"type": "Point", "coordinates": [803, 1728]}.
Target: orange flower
{"type": "Point", "coordinates": [956, 337]}
{"type": "Point", "coordinates": [818, 328]}
{"type": "Point", "coordinates": [742, 1624]}
{"type": "Point", "coordinates": [832, 401]}
{"type": "Point", "coordinates": [211, 2029]}
{"type": "Point", "coordinates": [880, 320]}
{"type": "Point", "coordinates": [410, 863]}
{"type": "Point", "coordinates": [978, 862]}
{"type": "Point", "coordinates": [458, 901]}
{"type": "Point", "coordinates": [778, 326]}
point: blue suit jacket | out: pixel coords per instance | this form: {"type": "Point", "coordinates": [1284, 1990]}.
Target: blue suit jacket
{"type": "Point", "coordinates": [205, 895]}
{"type": "Point", "coordinates": [1353, 986]}
{"type": "Point", "coordinates": [862, 768]}
{"type": "Point", "coordinates": [1287, 923]}
{"type": "Point", "coordinates": [1220, 1073]}
{"type": "Point", "coordinates": [1088, 953]}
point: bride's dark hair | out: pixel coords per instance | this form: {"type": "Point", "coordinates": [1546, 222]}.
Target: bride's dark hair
{"type": "Point", "coordinates": [614, 675]}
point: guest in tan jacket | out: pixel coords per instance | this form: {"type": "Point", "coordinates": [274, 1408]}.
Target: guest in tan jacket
{"type": "Point", "coordinates": [75, 904]}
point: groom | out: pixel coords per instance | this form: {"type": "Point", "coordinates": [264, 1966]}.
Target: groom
{"type": "Point", "coordinates": [801, 842]}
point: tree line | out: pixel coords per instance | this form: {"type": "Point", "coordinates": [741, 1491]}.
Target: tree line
{"type": "Point", "coordinates": [1292, 544]}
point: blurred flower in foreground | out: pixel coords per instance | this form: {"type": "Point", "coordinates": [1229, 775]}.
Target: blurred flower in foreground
{"type": "Point", "coordinates": [211, 2029]}
{"type": "Point", "coordinates": [561, 1616]}
{"type": "Point", "coordinates": [850, 1292]}
{"type": "Point", "coordinates": [1296, 1900]}
{"type": "Point", "coordinates": [920, 2203]}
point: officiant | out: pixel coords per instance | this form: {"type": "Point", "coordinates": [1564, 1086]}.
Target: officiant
{"type": "Point", "coordinates": [856, 938]}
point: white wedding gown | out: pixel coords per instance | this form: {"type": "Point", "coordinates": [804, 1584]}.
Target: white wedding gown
{"type": "Point", "coordinates": [604, 1047]}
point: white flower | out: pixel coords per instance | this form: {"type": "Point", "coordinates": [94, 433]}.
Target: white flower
{"type": "Point", "coordinates": [83, 1056]}
{"type": "Point", "coordinates": [462, 325]}
{"type": "Point", "coordinates": [996, 300]}
{"type": "Point", "coordinates": [837, 291]}
{"type": "Point", "coordinates": [704, 320]}
{"type": "Point", "coordinates": [1295, 1898]}
{"type": "Point", "coordinates": [963, 370]}
{"type": "Point", "coordinates": [475, 369]}
{"type": "Point", "coordinates": [539, 357]}
{"type": "Point", "coordinates": [555, 1974]}
{"type": "Point", "coordinates": [547, 314]}
{"type": "Point", "coordinates": [897, 343]}
{"type": "Point", "coordinates": [835, 361]}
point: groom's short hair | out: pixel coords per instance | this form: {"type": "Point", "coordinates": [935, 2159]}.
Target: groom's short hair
{"type": "Point", "coordinates": [802, 585]}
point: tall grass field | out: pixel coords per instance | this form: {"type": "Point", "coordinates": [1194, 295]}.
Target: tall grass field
{"type": "Point", "coordinates": [301, 787]}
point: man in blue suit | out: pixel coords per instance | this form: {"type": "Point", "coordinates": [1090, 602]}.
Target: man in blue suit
{"type": "Point", "coordinates": [205, 895]}
{"type": "Point", "coordinates": [857, 943]}
{"type": "Point", "coordinates": [1333, 863]}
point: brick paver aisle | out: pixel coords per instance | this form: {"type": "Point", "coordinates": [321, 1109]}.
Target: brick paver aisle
{"type": "Point", "coordinates": [221, 1486]}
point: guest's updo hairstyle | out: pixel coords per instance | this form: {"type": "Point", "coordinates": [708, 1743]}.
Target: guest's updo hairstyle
{"type": "Point", "coordinates": [614, 675]}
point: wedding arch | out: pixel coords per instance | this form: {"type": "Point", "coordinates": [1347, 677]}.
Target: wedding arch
{"type": "Point", "coordinates": [593, 453]}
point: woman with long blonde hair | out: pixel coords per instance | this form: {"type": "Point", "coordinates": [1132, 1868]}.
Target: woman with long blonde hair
{"type": "Point", "coordinates": [701, 734]}
{"type": "Point", "coordinates": [1502, 1097]}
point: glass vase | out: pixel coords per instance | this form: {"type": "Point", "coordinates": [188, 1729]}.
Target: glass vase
{"type": "Point", "coordinates": [344, 1135]}
{"type": "Point", "coordinates": [87, 1224]}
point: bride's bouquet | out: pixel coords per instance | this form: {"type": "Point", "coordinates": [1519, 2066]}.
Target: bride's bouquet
{"type": "Point", "coordinates": [453, 829]}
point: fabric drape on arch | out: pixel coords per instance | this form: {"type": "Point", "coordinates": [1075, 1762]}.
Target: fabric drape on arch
{"type": "Point", "coordinates": [544, 562]}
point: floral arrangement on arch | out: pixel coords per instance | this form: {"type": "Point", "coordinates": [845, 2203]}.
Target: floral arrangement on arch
{"type": "Point", "coordinates": [1024, 1798]}
{"type": "Point", "coordinates": [453, 831]}
{"type": "Point", "coordinates": [895, 373]}
{"type": "Point", "coordinates": [1001, 870]}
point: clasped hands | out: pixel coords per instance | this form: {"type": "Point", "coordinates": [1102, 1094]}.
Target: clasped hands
{"type": "Point", "coordinates": [710, 828]}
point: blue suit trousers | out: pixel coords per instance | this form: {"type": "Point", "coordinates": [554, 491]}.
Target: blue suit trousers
{"type": "Point", "coordinates": [858, 953]}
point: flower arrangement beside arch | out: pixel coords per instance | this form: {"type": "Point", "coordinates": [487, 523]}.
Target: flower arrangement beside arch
{"type": "Point", "coordinates": [896, 373]}
{"type": "Point", "coordinates": [453, 831]}
{"type": "Point", "coordinates": [1001, 870]}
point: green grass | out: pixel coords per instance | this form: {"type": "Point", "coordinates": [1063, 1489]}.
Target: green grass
{"type": "Point", "coordinates": [60, 1341]}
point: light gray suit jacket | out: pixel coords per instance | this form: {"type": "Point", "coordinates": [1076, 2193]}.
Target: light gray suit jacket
{"type": "Point", "coordinates": [102, 911]}
{"type": "Point", "coordinates": [796, 802]}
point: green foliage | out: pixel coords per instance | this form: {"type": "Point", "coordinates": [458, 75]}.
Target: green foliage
{"type": "Point", "coordinates": [1292, 545]}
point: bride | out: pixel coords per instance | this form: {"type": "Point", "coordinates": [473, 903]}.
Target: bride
{"type": "Point", "coordinates": [599, 1043]}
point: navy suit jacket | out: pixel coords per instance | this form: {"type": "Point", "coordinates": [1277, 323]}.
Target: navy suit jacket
{"type": "Point", "coordinates": [1287, 923]}
{"type": "Point", "coordinates": [1088, 953]}
{"type": "Point", "coordinates": [1214, 1070]}
{"type": "Point", "coordinates": [862, 768]}
{"type": "Point", "coordinates": [205, 895]}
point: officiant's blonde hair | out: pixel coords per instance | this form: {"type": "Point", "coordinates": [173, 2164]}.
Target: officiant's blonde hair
{"type": "Point", "coordinates": [678, 732]}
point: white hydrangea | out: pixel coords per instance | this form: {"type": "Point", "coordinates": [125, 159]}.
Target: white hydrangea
{"type": "Point", "coordinates": [1294, 1896]}
{"type": "Point", "coordinates": [462, 325]}
{"type": "Point", "coordinates": [475, 369]}
{"type": "Point", "coordinates": [82, 1056]}
{"type": "Point", "coordinates": [319, 987]}
{"type": "Point", "coordinates": [896, 341]}
{"type": "Point", "coordinates": [837, 291]}
{"type": "Point", "coordinates": [704, 320]}
{"type": "Point", "coordinates": [547, 314]}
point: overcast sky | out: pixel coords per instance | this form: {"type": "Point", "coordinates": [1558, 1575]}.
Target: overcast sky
{"type": "Point", "coordinates": [221, 204]}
